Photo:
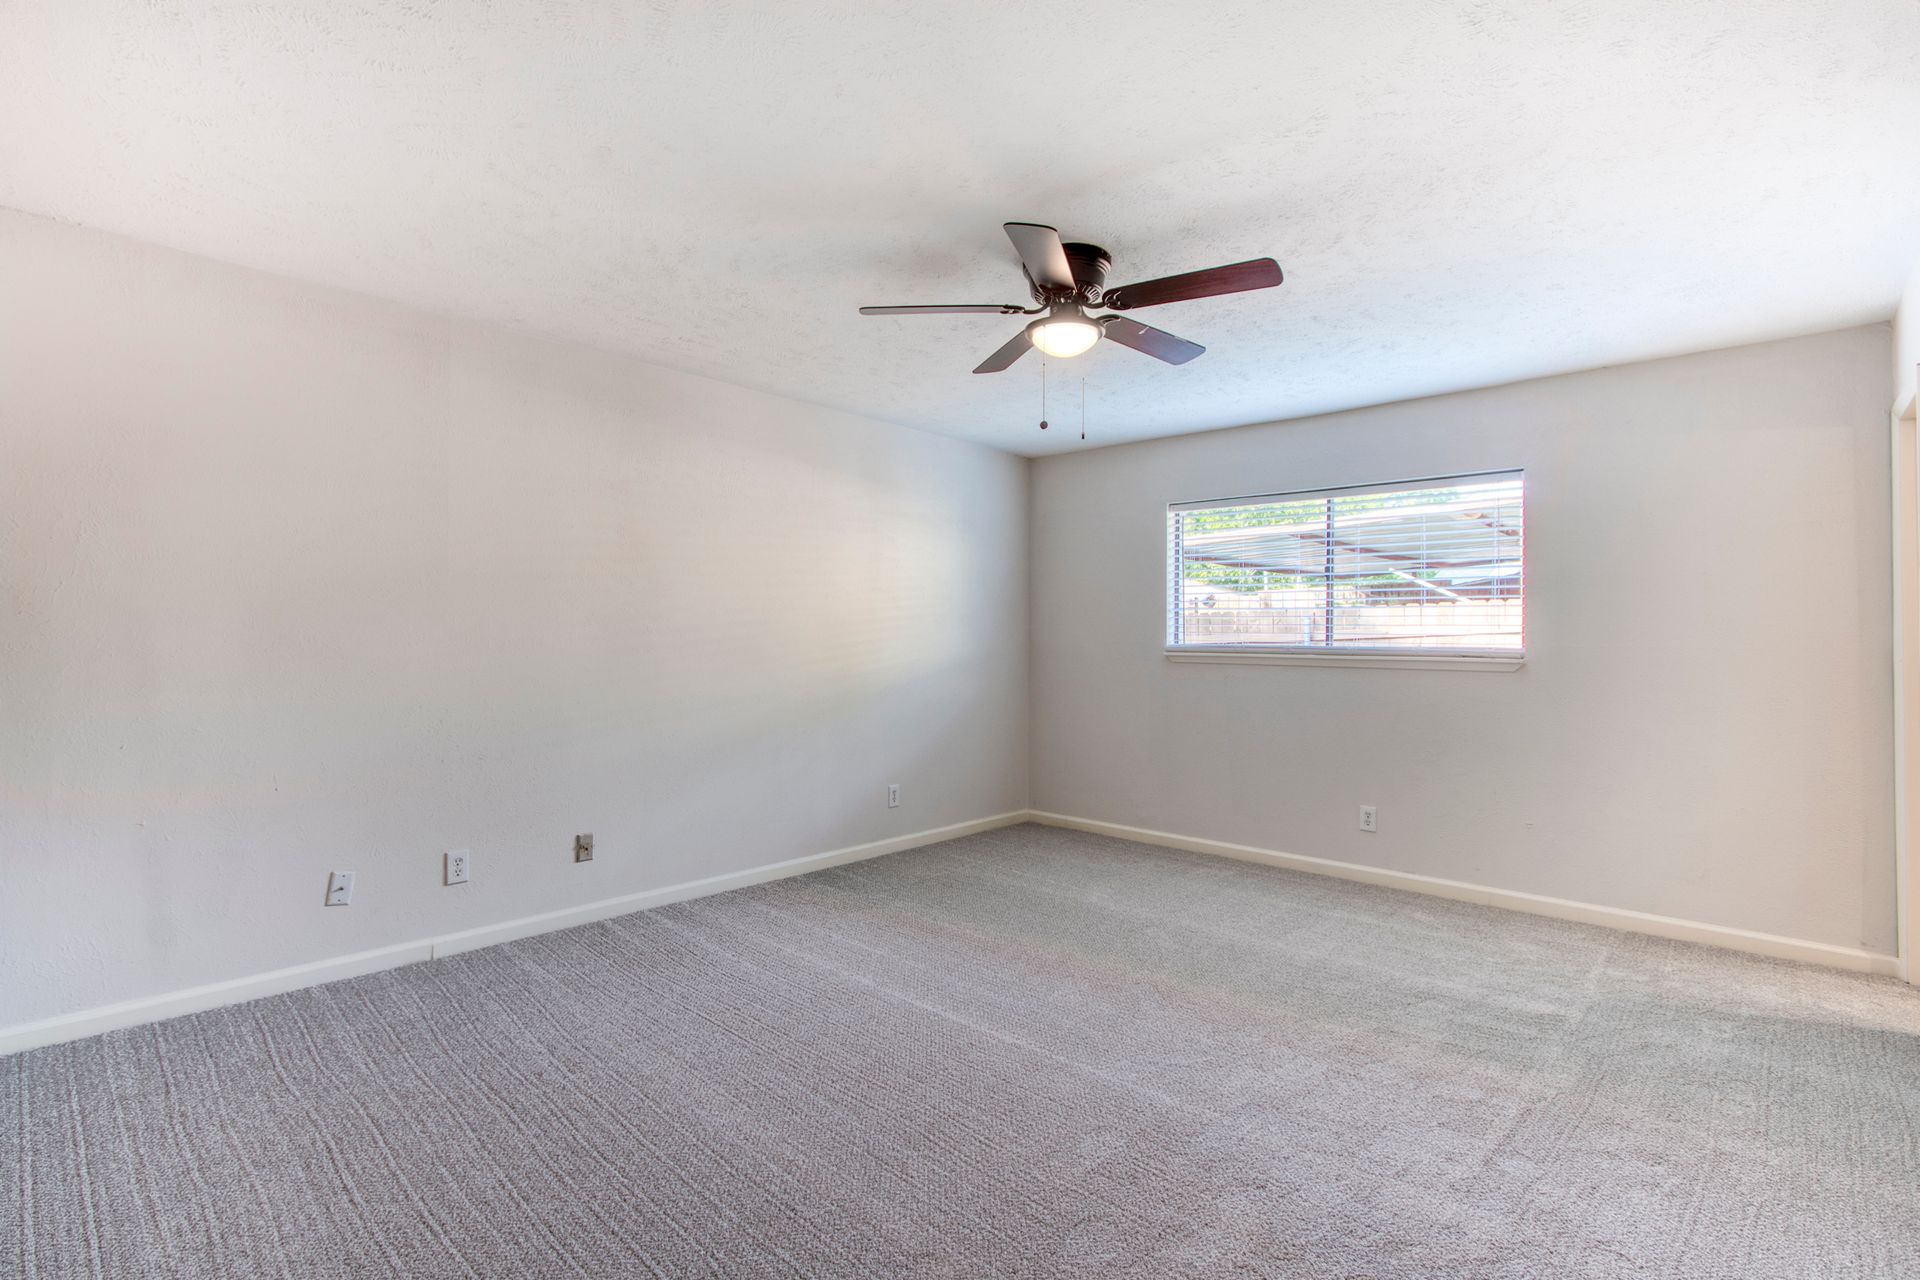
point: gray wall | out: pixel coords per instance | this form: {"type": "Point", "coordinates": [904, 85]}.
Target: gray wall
{"type": "Point", "coordinates": [1703, 725]}
{"type": "Point", "coordinates": [295, 580]}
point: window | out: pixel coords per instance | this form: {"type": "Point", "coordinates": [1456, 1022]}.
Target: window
{"type": "Point", "coordinates": [1431, 566]}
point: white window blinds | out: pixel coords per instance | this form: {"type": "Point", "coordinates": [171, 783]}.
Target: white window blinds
{"type": "Point", "coordinates": [1433, 565]}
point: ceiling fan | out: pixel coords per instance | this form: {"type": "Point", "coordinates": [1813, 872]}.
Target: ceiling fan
{"type": "Point", "coordinates": [1066, 278]}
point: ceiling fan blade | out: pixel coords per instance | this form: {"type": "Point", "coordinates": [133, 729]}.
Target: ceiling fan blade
{"type": "Point", "coordinates": [1042, 254]}
{"type": "Point", "coordinates": [1260, 273]}
{"type": "Point", "coordinates": [1144, 338]}
{"type": "Point", "coordinates": [1016, 347]}
{"type": "Point", "coordinates": [982, 309]}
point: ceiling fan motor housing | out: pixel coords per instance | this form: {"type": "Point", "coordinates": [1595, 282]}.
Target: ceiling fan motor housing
{"type": "Point", "coordinates": [1089, 264]}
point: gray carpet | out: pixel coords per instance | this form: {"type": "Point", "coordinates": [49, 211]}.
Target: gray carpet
{"type": "Point", "coordinates": [1027, 1053]}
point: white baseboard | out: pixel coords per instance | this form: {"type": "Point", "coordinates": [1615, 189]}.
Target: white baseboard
{"type": "Point", "coordinates": [1766, 944]}
{"type": "Point", "coordinates": [172, 1004]}
{"type": "Point", "coordinates": [567, 917]}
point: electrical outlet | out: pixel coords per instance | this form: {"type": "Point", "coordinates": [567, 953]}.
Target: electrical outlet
{"type": "Point", "coordinates": [893, 795]}
{"type": "Point", "coordinates": [1369, 820]}
{"type": "Point", "coordinates": [340, 889]}
{"type": "Point", "coordinates": [457, 868]}
{"type": "Point", "coordinates": [583, 847]}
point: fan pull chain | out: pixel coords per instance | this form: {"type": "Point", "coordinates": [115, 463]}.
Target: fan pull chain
{"type": "Point", "coordinates": [1083, 408]}
{"type": "Point", "coordinates": [1043, 395]}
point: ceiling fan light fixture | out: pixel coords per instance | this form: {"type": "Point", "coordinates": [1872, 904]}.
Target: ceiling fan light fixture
{"type": "Point", "coordinates": [1066, 332]}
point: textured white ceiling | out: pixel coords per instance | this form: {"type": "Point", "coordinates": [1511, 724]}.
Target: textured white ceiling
{"type": "Point", "coordinates": [1461, 193]}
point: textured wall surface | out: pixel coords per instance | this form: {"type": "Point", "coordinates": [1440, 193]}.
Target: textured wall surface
{"type": "Point", "coordinates": [1702, 728]}
{"type": "Point", "coordinates": [1462, 194]}
{"type": "Point", "coordinates": [296, 581]}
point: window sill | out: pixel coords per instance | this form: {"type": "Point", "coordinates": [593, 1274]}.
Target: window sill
{"type": "Point", "coordinates": [1409, 661]}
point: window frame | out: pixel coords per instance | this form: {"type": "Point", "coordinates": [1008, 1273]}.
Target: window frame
{"type": "Point", "coordinates": [1432, 659]}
